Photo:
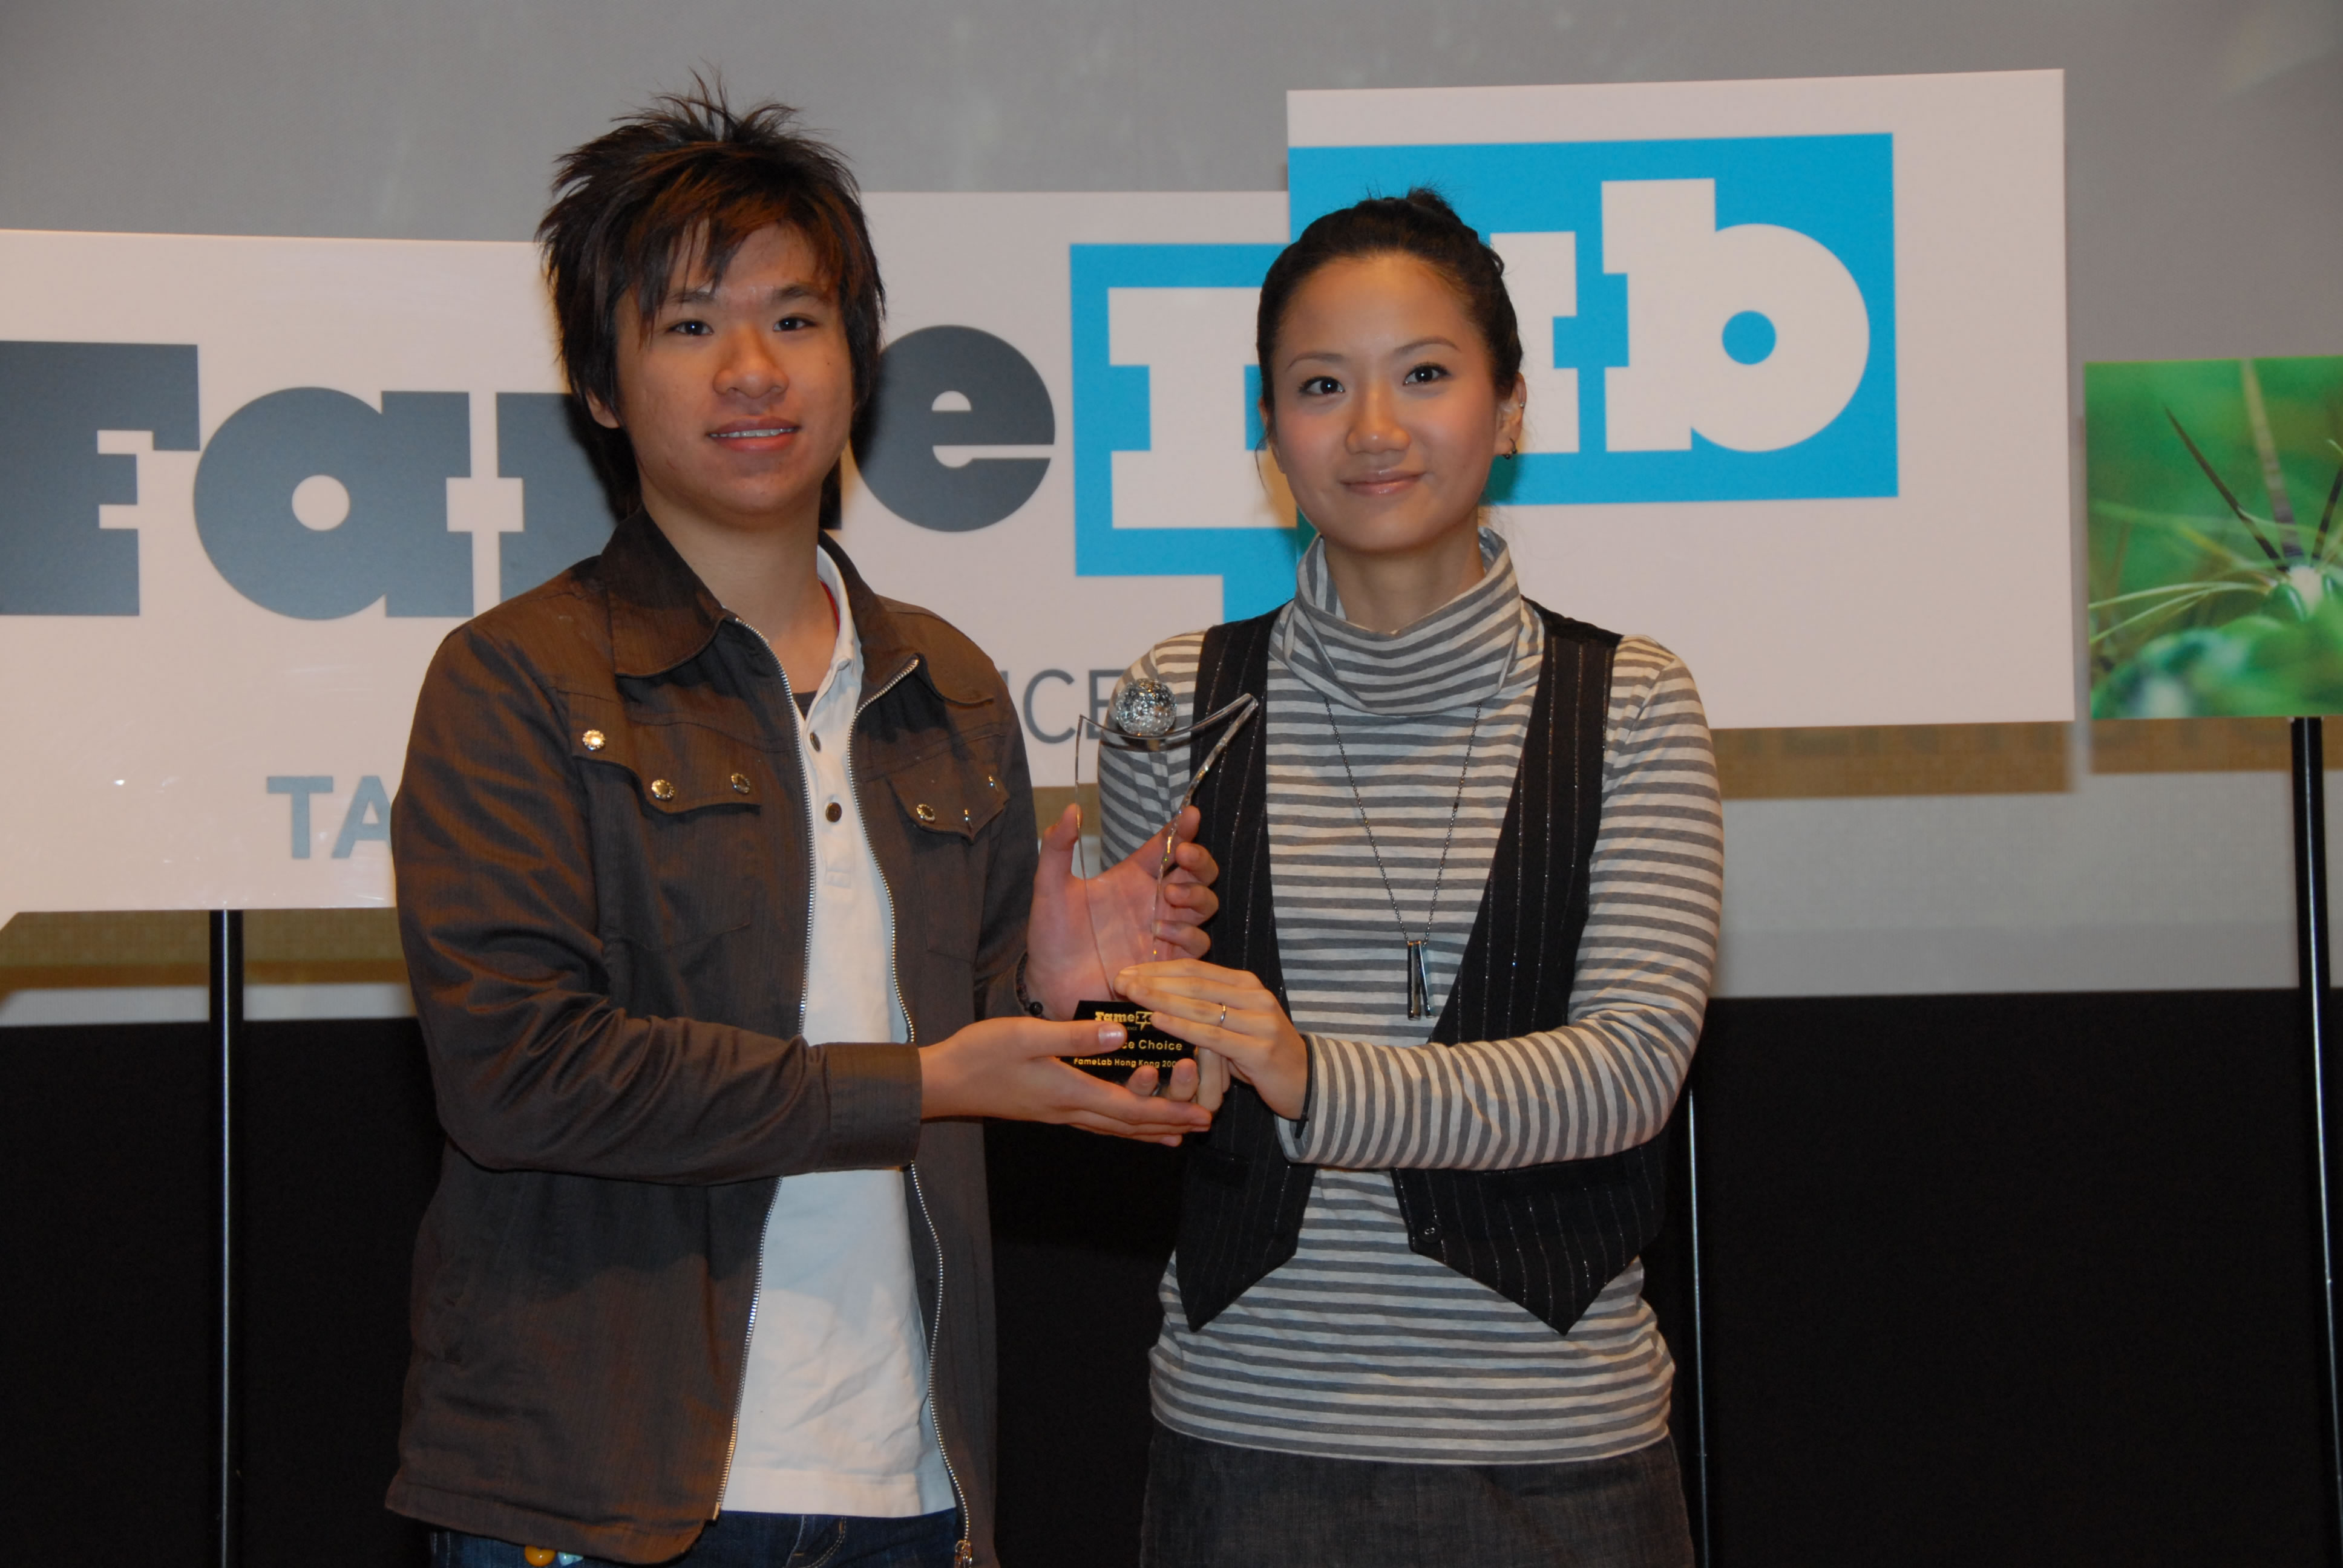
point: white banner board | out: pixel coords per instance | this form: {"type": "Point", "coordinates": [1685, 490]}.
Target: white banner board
{"type": "Point", "coordinates": [1797, 359]}
{"type": "Point", "coordinates": [213, 715]}
{"type": "Point", "coordinates": [247, 485]}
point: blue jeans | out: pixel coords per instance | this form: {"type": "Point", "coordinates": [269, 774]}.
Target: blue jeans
{"type": "Point", "coordinates": [1210, 1505]}
{"type": "Point", "coordinates": [758, 1540]}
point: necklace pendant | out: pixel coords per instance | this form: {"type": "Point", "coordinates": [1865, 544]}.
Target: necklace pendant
{"type": "Point", "coordinates": [1418, 979]}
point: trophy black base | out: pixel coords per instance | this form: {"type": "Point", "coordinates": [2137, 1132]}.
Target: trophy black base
{"type": "Point", "coordinates": [1144, 1045]}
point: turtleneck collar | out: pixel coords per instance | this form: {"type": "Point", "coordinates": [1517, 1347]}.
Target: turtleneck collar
{"type": "Point", "coordinates": [1460, 655]}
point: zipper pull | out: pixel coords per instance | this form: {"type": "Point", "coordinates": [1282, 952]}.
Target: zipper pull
{"type": "Point", "coordinates": [964, 1555]}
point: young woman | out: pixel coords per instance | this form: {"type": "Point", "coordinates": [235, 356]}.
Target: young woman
{"type": "Point", "coordinates": [1471, 865]}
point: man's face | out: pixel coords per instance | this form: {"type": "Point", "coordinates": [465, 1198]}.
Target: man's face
{"type": "Point", "coordinates": [738, 398]}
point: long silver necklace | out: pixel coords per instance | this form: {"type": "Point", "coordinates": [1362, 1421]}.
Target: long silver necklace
{"type": "Point", "coordinates": [1419, 959]}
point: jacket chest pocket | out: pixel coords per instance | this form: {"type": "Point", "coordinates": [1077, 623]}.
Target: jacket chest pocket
{"type": "Point", "coordinates": [681, 825]}
{"type": "Point", "coordinates": [946, 800]}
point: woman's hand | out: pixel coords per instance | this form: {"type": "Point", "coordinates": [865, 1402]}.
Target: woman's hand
{"type": "Point", "coordinates": [1235, 1025]}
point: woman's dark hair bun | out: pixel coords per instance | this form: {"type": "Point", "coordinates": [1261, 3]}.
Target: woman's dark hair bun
{"type": "Point", "coordinates": [1422, 224]}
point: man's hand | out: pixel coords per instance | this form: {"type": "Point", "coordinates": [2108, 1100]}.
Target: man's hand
{"type": "Point", "coordinates": [1083, 930]}
{"type": "Point", "coordinates": [1009, 1067]}
{"type": "Point", "coordinates": [1228, 1015]}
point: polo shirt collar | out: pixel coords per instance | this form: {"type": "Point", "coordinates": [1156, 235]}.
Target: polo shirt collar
{"type": "Point", "coordinates": [662, 615]}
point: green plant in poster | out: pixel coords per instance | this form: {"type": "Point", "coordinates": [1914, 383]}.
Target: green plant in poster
{"type": "Point", "coordinates": [2216, 550]}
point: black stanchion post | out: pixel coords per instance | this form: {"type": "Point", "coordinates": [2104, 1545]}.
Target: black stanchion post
{"type": "Point", "coordinates": [2311, 970]}
{"type": "Point", "coordinates": [1703, 1475]}
{"type": "Point", "coordinates": [228, 1031]}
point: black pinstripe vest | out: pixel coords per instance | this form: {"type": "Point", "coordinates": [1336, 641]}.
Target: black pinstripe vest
{"type": "Point", "coordinates": [1549, 1237]}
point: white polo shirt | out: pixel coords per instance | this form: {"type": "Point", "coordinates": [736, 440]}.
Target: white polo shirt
{"type": "Point", "coordinates": [833, 1408]}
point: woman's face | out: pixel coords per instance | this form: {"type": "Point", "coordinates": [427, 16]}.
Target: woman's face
{"type": "Point", "coordinates": [1382, 413]}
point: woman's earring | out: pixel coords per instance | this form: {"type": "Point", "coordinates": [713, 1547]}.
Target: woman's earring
{"type": "Point", "coordinates": [1515, 450]}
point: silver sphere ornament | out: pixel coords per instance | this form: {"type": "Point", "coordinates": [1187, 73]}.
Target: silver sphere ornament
{"type": "Point", "coordinates": [1143, 708]}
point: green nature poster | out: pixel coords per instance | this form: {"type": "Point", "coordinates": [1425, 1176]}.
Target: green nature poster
{"type": "Point", "coordinates": [2215, 553]}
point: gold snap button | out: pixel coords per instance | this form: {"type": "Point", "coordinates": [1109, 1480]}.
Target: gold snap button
{"type": "Point", "coordinates": [739, 783]}
{"type": "Point", "coordinates": [592, 740]}
{"type": "Point", "coordinates": [662, 791]}
{"type": "Point", "coordinates": [832, 811]}
{"type": "Point", "coordinates": [924, 812]}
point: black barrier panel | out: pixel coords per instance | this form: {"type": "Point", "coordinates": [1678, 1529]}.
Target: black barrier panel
{"type": "Point", "coordinates": [341, 1152]}
{"type": "Point", "coordinates": [2017, 1279]}
{"type": "Point", "coordinates": [2008, 1280]}
{"type": "Point", "coordinates": [110, 1155]}
{"type": "Point", "coordinates": [2020, 1279]}
{"type": "Point", "coordinates": [1082, 1226]}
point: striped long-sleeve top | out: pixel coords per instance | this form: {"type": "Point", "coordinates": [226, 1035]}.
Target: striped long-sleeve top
{"type": "Point", "coordinates": [1357, 1347]}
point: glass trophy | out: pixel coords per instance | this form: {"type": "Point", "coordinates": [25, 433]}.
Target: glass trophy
{"type": "Point", "coordinates": [1143, 717]}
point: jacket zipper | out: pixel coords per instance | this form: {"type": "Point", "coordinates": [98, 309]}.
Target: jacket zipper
{"type": "Point", "coordinates": [963, 1552]}
{"type": "Point", "coordinates": [805, 964]}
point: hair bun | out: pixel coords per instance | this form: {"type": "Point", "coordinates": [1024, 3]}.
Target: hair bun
{"type": "Point", "coordinates": [1421, 225]}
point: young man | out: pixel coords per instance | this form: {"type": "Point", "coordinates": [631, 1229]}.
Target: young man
{"type": "Point", "coordinates": [715, 868]}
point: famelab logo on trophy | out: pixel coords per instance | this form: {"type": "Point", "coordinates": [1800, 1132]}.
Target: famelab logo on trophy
{"type": "Point", "coordinates": [1706, 320]}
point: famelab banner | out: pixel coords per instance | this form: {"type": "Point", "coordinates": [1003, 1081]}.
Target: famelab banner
{"type": "Point", "coordinates": [1797, 363]}
{"type": "Point", "coordinates": [247, 485]}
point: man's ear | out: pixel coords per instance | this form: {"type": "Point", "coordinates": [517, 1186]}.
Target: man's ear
{"type": "Point", "coordinates": [603, 414]}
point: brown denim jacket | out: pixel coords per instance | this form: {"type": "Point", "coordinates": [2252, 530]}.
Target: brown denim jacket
{"type": "Point", "coordinates": [602, 843]}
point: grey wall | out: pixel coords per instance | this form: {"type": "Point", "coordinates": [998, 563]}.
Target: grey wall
{"type": "Point", "coordinates": [2206, 143]}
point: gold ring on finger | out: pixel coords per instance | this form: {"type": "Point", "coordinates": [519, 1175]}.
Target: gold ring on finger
{"type": "Point", "coordinates": [1221, 1022]}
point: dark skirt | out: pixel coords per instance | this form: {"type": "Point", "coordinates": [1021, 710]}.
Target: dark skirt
{"type": "Point", "coordinates": [1213, 1505]}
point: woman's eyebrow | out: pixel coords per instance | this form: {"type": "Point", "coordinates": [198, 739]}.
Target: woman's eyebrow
{"type": "Point", "coordinates": [1335, 356]}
